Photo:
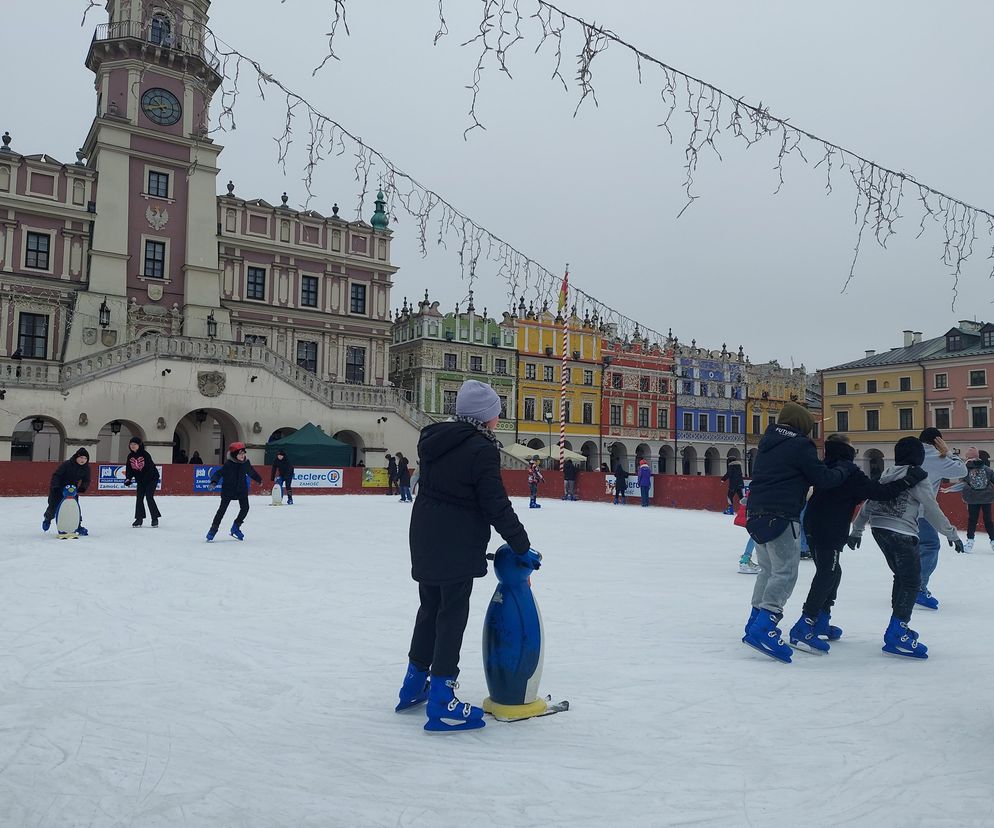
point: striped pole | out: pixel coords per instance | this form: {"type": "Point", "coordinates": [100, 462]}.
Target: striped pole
{"type": "Point", "coordinates": [563, 309]}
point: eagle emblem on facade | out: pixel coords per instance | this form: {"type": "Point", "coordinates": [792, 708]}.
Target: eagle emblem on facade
{"type": "Point", "coordinates": [157, 217]}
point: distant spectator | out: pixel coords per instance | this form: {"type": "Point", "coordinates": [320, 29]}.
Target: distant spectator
{"type": "Point", "coordinates": [196, 459]}
{"type": "Point", "coordinates": [569, 480]}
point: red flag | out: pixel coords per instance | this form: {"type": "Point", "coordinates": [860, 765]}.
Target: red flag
{"type": "Point", "coordinates": [564, 292]}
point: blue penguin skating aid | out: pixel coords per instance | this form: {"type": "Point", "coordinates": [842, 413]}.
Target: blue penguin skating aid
{"type": "Point", "coordinates": [68, 516]}
{"type": "Point", "coordinates": [512, 642]}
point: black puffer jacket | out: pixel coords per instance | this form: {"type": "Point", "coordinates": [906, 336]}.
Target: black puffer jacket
{"type": "Point", "coordinates": [460, 496]}
{"type": "Point", "coordinates": [830, 511]}
{"type": "Point", "coordinates": [140, 466]}
{"type": "Point", "coordinates": [232, 478]}
{"type": "Point", "coordinates": [282, 469]}
{"type": "Point", "coordinates": [786, 465]}
{"type": "Point", "coordinates": [569, 470]}
{"type": "Point", "coordinates": [404, 471]}
{"type": "Point", "coordinates": [734, 475]}
{"type": "Point", "coordinates": [70, 472]}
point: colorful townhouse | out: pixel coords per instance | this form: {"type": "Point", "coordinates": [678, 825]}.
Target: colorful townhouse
{"type": "Point", "coordinates": [539, 372]}
{"type": "Point", "coordinates": [769, 386]}
{"type": "Point", "coordinates": [638, 404]}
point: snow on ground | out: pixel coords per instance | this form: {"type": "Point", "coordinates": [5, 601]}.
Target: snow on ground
{"type": "Point", "coordinates": [148, 678]}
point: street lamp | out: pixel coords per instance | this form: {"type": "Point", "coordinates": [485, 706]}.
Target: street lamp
{"type": "Point", "coordinates": [548, 419]}
{"type": "Point", "coordinates": [37, 424]}
{"type": "Point", "coordinates": [211, 326]}
{"type": "Point", "coordinates": [605, 362]}
{"type": "Point", "coordinates": [200, 416]}
{"type": "Point", "coordinates": [115, 427]}
{"type": "Point", "coordinates": [103, 314]}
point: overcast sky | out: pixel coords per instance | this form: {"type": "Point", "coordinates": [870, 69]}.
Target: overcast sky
{"type": "Point", "coordinates": [904, 82]}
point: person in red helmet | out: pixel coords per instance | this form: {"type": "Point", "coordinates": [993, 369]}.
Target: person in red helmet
{"type": "Point", "coordinates": [234, 486]}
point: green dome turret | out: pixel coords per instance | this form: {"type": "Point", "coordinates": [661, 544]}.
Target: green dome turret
{"type": "Point", "coordinates": [380, 221]}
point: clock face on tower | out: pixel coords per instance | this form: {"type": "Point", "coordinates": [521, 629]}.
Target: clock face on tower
{"type": "Point", "coordinates": [161, 107]}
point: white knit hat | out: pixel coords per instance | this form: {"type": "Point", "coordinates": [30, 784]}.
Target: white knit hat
{"type": "Point", "coordinates": [478, 401]}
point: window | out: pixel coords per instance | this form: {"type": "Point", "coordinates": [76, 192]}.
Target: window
{"type": "Point", "coordinates": [548, 373]}
{"type": "Point", "coordinates": [664, 386]}
{"type": "Point", "coordinates": [643, 417]}
{"type": "Point", "coordinates": [721, 423]}
{"type": "Point", "coordinates": [873, 420]}
{"type": "Point", "coordinates": [757, 425]}
{"type": "Point", "coordinates": [449, 362]}
{"type": "Point", "coordinates": [987, 339]}
{"type": "Point", "coordinates": [905, 383]}
{"type": "Point", "coordinates": [941, 381]}
{"type": "Point", "coordinates": [568, 374]}
{"type": "Point", "coordinates": [702, 422]}
{"type": "Point", "coordinates": [410, 360]}
{"type": "Point", "coordinates": [160, 31]}
{"type": "Point", "coordinates": [704, 389]}
{"type": "Point", "coordinates": [155, 259]}
{"type": "Point", "coordinates": [644, 385]}
{"type": "Point", "coordinates": [476, 364]}
{"type": "Point", "coordinates": [503, 407]}
{"type": "Point", "coordinates": [255, 339]}
{"type": "Point", "coordinates": [688, 387]}
{"type": "Point", "coordinates": [662, 418]}
{"type": "Point", "coordinates": [449, 402]}
{"type": "Point", "coordinates": [735, 425]}
{"type": "Point", "coordinates": [529, 370]}
{"type": "Point", "coordinates": [840, 389]}
{"type": "Point", "coordinates": [309, 291]}
{"type": "Point", "coordinates": [978, 378]}
{"type": "Point", "coordinates": [906, 417]}
{"type": "Point", "coordinates": [941, 417]}
{"type": "Point", "coordinates": [616, 415]}
{"type": "Point", "coordinates": [568, 411]}
{"type": "Point", "coordinates": [307, 355]}
{"type": "Point", "coordinates": [588, 413]}
{"type": "Point", "coordinates": [546, 410]}
{"type": "Point", "coordinates": [978, 416]}
{"type": "Point", "coordinates": [954, 342]}
{"type": "Point", "coordinates": [616, 380]}
{"type": "Point", "coordinates": [841, 421]}
{"type": "Point", "coordinates": [771, 420]}
{"type": "Point", "coordinates": [588, 377]}
{"type": "Point", "coordinates": [688, 421]}
{"type": "Point", "coordinates": [255, 285]}
{"type": "Point", "coordinates": [36, 255]}
{"type": "Point", "coordinates": [355, 365]}
{"type": "Point", "coordinates": [32, 335]}
{"type": "Point", "coordinates": [529, 408]}
{"type": "Point", "coordinates": [814, 430]}
{"type": "Point", "coordinates": [500, 366]}
{"type": "Point", "coordinates": [358, 299]}
{"type": "Point", "coordinates": [158, 184]}
{"type": "Point", "coordinates": [871, 386]}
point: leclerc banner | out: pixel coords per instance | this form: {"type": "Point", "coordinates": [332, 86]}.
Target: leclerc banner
{"type": "Point", "coordinates": [317, 478]}
{"type": "Point", "coordinates": [111, 478]}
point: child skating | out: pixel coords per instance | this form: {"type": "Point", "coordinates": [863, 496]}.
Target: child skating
{"type": "Point", "coordinates": [234, 486]}
{"type": "Point", "coordinates": [534, 478]}
{"type": "Point", "coordinates": [140, 468]}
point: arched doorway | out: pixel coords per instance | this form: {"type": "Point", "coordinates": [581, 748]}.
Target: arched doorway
{"type": "Point", "coordinates": [358, 446]}
{"type": "Point", "coordinates": [666, 460]}
{"type": "Point", "coordinates": [643, 452]}
{"type": "Point", "coordinates": [712, 462]}
{"type": "Point", "coordinates": [874, 463]}
{"type": "Point", "coordinates": [733, 454]}
{"type": "Point", "coordinates": [113, 440]}
{"type": "Point", "coordinates": [206, 432]}
{"type": "Point", "coordinates": [280, 433]}
{"type": "Point", "coordinates": [688, 456]}
{"type": "Point", "coordinates": [619, 454]}
{"type": "Point", "coordinates": [38, 438]}
{"type": "Point", "coordinates": [589, 451]}
{"type": "Point", "coordinates": [535, 443]}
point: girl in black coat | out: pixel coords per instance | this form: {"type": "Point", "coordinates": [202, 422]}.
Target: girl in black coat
{"type": "Point", "coordinates": [140, 468]}
{"type": "Point", "coordinates": [404, 478]}
{"type": "Point", "coordinates": [234, 486]}
{"type": "Point", "coordinates": [283, 469]}
{"type": "Point", "coordinates": [73, 472]}
{"type": "Point", "coordinates": [391, 473]}
{"type": "Point", "coordinates": [461, 496]}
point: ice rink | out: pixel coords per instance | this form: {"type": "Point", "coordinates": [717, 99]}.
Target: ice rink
{"type": "Point", "coordinates": [148, 678]}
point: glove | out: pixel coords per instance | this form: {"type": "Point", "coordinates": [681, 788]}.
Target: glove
{"type": "Point", "coordinates": [957, 545]}
{"type": "Point", "coordinates": [211, 487]}
{"type": "Point", "coordinates": [854, 541]}
{"type": "Point", "coordinates": [915, 475]}
{"type": "Point", "coordinates": [532, 559]}
{"type": "Point", "coordinates": [129, 481]}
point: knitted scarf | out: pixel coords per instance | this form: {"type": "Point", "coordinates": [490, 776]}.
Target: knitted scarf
{"type": "Point", "coordinates": [479, 426]}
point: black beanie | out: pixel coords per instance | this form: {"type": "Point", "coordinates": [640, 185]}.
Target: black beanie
{"type": "Point", "coordinates": [929, 435]}
{"type": "Point", "coordinates": [81, 452]}
{"type": "Point", "coordinates": [838, 449]}
{"type": "Point", "coordinates": [909, 451]}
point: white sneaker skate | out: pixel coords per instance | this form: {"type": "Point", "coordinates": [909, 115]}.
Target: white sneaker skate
{"type": "Point", "coordinates": [748, 568]}
{"type": "Point", "coordinates": [968, 545]}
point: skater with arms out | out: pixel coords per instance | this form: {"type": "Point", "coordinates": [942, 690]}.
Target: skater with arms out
{"type": "Point", "coordinates": [234, 486]}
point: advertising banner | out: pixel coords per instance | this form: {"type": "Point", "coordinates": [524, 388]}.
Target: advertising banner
{"type": "Point", "coordinates": [111, 478]}
{"type": "Point", "coordinates": [202, 476]}
{"type": "Point", "coordinates": [632, 490]}
{"type": "Point", "coordinates": [374, 478]}
{"type": "Point", "coordinates": [317, 478]}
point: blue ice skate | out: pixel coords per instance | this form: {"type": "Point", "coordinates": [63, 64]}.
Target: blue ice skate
{"type": "Point", "coordinates": [82, 530]}
{"type": "Point", "coordinates": [752, 617]}
{"type": "Point", "coordinates": [414, 690]}
{"type": "Point", "coordinates": [210, 534]}
{"type": "Point", "coordinates": [446, 714]}
{"type": "Point", "coordinates": [729, 511]}
{"type": "Point", "coordinates": [824, 628]}
{"type": "Point", "coordinates": [46, 524]}
{"type": "Point", "coordinates": [764, 635]}
{"type": "Point", "coordinates": [236, 532]}
{"type": "Point", "coordinates": [901, 640]}
{"type": "Point", "coordinates": [927, 600]}
{"type": "Point", "coordinates": [804, 636]}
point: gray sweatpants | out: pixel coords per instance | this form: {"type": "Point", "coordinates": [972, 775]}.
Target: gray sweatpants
{"type": "Point", "coordinates": [778, 562]}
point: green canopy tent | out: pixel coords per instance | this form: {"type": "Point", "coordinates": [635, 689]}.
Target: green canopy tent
{"type": "Point", "coordinates": [310, 446]}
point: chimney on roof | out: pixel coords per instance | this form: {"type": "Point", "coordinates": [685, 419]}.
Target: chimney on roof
{"type": "Point", "coordinates": [918, 336]}
{"type": "Point", "coordinates": [909, 338]}
{"type": "Point", "coordinates": [870, 352]}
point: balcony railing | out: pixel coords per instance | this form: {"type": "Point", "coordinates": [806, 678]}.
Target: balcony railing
{"type": "Point", "coordinates": [130, 30]}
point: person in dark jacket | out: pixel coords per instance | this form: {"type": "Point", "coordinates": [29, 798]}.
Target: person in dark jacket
{"type": "Point", "coordinates": [826, 522]}
{"type": "Point", "coordinates": [195, 459]}
{"type": "Point", "coordinates": [461, 496]}
{"type": "Point", "coordinates": [569, 480]}
{"type": "Point", "coordinates": [620, 482]}
{"type": "Point", "coordinates": [234, 486]}
{"type": "Point", "coordinates": [140, 468]}
{"type": "Point", "coordinates": [786, 466]}
{"type": "Point", "coordinates": [73, 472]}
{"type": "Point", "coordinates": [978, 494]}
{"type": "Point", "coordinates": [404, 478]}
{"type": "Point", "coordinates": [391, 473]}
{"type": "Point", "coordinates": [283, 469]}
{"type": "Point", "coordinates": [735, 484]}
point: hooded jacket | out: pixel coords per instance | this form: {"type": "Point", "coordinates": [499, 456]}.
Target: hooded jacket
{"type": "Point", "coordinates": [392, 469]}
{"type": "Point", "coordinates": [569, 470]}
{"type": "Point", "coordinates": [140, 466]}
{"type": "Point", "coordinates": [786, 465]}
{"type": "Point", "coordinates": [403, 472]}
{"type": "Point", "coordinates": [829, 512]}
{"type": "Point", "coordinates": [645, 476]}
{"type": "Point", "coordinates": [901, 514]}
{"type": "Point", "coordinates": [69, 472]}
{"type": "Point", "coordinates": [973, 496]}
{"type": "Point", "coordinates": [232, 478]}
{"type": "Point", "coordinates": [734, 475]}
{"type": "Point", "coordinates": [460, 496]}
{"type": "Point", "coordinates": [282, 469]}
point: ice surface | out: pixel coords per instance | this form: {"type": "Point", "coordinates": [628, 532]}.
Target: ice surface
{"type": "Point", "coordinates": [148, 678]}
